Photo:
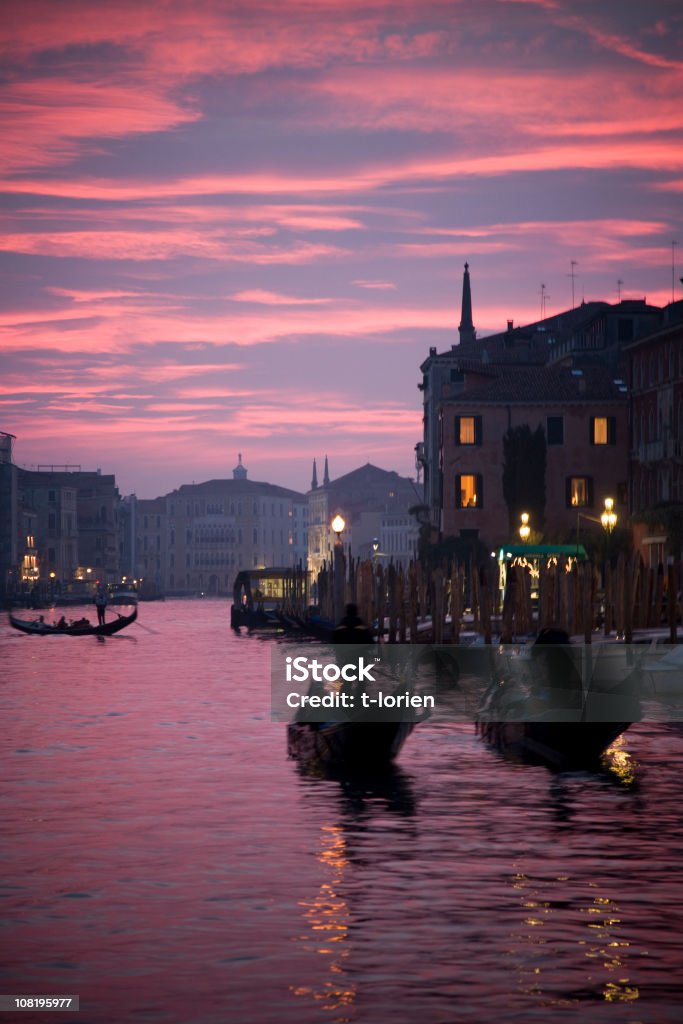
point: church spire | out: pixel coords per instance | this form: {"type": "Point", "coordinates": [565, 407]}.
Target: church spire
{"type": "Point", "coordinates": [326, 476]}
{"type": "Point", "coordinates": [314, 481]}
{"type": "Point", "coordinates": [466, 328]}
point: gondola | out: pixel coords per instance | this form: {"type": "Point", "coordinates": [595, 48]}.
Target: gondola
{"type": "Point", "coordinates": [34, 627]}
{"type": "Point", "coordinates": [358, 745]}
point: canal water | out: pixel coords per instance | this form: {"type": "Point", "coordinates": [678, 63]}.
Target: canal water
{"type": "Point", "coordinates": [164, 861]}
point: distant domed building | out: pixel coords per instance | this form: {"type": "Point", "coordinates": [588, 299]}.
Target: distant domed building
{"type": "Point", "coordinates": [197, 538]}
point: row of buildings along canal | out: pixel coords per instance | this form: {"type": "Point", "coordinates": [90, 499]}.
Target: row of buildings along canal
{"type": "Point", "coordinates": [550, 418]}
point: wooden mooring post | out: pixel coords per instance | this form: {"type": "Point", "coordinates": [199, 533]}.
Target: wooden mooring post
{"type": "Point", "coordinates": [400, 599]}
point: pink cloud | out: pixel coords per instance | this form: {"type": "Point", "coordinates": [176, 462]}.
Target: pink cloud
{"type": "Point", "coordinates": [638, 152]}
{"type": "Point", "coordinates": [185, 40]}
{"type": "Point", "coordinates": [673, 185]}
{"type": "Point", "coordinates": [536, 101]}
{"type": "Point", "coordinates": [601, 238]}
{"type": "Point", "coordinates": [618, 43]}
{"type": "Point", "coordinates": [375, 285]}
{"type": "Point", "coordinates": [46, 121]}
{"type": "Point", "coordinates": [263, 298]}
{"type": "Point", "coordinates": [162, 245]}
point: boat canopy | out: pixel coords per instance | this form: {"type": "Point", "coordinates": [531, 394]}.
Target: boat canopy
{"type": "Point", "coordinates": [511, 551]}
{"type": "Point", "coordinates": [257, 586]}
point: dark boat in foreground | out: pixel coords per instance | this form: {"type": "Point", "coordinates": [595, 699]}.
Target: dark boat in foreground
{"type": "Point", "coordinates": [360, 745]}
{"type": "Point", "coordinates": [36, 627]}
{"type": "Point", "coordinates": [541, 714]}
{"type": "Point", "coordinates": [564, 746]}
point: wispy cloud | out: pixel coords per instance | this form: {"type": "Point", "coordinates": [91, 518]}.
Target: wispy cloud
{"type": "Point", "coordinates": [263, 298]}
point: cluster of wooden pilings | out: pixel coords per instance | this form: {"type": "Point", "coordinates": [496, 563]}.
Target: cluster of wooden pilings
{"type": "Point", "coordinates": [294, 589]}
{"type": "Point", "coordinates": [437, 605]}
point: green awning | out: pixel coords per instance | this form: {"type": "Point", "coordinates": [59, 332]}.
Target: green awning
{"type": "Point", "coordinates": [542, 551]}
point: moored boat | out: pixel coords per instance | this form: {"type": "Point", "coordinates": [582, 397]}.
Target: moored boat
{"type": "Point", "coordinates": [538, 709]}
{"type": "Point", "coordinates": [81, 627]}
{"type": "Point", "coordinates": [122, 593]}
{"type": "Point", "coordinates": [359, 745]}
{"type": "Point", "coordinates": [563, 746]}
{"type": "Point", "coordinates": [269, 598]}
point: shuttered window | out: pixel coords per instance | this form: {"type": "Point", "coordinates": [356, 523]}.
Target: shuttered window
{"type": "Point", "coordinates": [468, 430]}
{"type": "Point", "coordinates": [603, 430]}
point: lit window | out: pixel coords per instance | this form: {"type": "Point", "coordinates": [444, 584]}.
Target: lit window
{"type": "Point", "coordinates": [468, 491]}
{"type": "Point", "coordinates": [603, 430]}
{"type": "Point", "coordinates": [600, 430]}
{"type": "Point", "coordinates": [467, 430]}
{"type": "Point", "coordinates": [579, 491]}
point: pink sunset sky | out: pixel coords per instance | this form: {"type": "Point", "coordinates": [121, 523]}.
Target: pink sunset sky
{"type": "Point", "coordinates": [239, 226]}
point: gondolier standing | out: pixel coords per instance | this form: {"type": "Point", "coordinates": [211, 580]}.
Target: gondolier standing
{"type": "Point", "coordinates": [100, 604]}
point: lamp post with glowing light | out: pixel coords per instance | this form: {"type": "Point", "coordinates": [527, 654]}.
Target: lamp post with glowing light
{"type": "Point", "coordinates": [609, 516]}
{"type": "Point", "coordinates": [524, 529]}
{"type": "Point", "coordinates": [608, 520]}
{"type": "Point", "coordinates": [339, 568]}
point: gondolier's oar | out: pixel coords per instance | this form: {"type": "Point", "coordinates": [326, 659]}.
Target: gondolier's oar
{"type": "Point", "coordinates": [154, 632]}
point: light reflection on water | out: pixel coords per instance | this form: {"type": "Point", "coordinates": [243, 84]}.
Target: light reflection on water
{"type": "Point", "coordinates": [166, 862]}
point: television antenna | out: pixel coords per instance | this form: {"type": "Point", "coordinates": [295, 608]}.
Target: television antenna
{"type": "Point", "coordinates": [572, 274]}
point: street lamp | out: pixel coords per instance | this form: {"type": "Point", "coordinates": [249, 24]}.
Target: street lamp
{"type": "Point", "coordinates": [524, 529]}
{"type": "Point", "coordinates": [338, 525]}
{"type": "Point", "coordinates": [609, 516]}
{"type": "Point", "coordinates": [339, 568]}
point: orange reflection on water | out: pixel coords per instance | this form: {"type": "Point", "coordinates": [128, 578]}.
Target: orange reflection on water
{"type": "Point", "coordinates": [327, 915]}
{"type": "Point", "coordinates": [610, 952]}
{"type": "Point", "coordinates": [620, 762]}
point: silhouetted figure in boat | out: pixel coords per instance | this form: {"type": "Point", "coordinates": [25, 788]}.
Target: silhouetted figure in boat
{"type": "Point", "coordinates": [557, 681]}
{"type": "Point", "coordinates": [352, 629]}
{"type": "Point", "coordinates": [100, 605]}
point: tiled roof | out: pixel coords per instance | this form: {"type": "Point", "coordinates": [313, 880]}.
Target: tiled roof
{"type": "Point", "coordinates": [533, 384]}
